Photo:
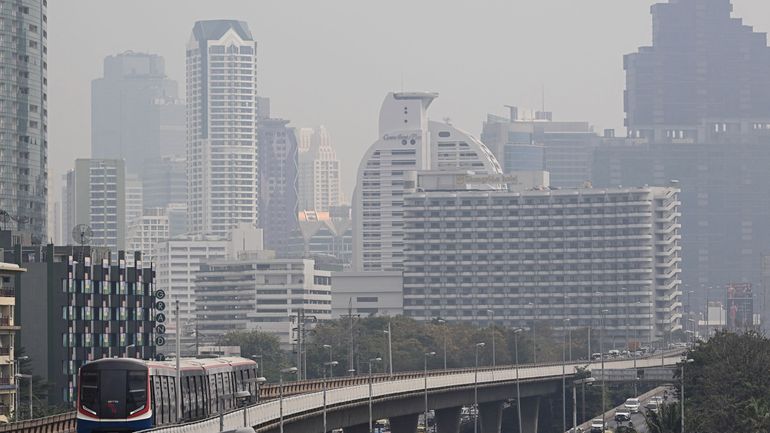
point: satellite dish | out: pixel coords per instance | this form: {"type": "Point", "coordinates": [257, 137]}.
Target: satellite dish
{"type": "Point", "coordinates": [82, 234]}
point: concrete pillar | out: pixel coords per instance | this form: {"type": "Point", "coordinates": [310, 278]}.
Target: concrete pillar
{"type": "Point", "coordinates": [361, 428]}
{"type": "Point", "coordinates": [491, 415]}
{"type": "Point", "coordinates": [448, 420]}
{"type": "Point", "coordinates": [530, 412]}
{"type": "Point", "coordinates": [404, 424]}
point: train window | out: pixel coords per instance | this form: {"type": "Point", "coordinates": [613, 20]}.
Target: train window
{"type": "Point", "coordinates": [137, 392]}
{"type": "Point", "coordinates": [173, 401]}
{"type": "Point", "coordinates": [89, 392]}
{"type": "Point", "coordinates": [166, 401]}
{"type": "Point", "coordinates": [186, 398]}
{"type": "Point", "coordinates": [158, 400]}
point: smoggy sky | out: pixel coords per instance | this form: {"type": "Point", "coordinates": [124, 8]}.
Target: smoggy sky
{"type": "Point", "coordinates": [331, 62]}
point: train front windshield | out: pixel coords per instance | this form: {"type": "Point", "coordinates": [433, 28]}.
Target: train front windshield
{"type": "Point", "coordinates": [113, 393]}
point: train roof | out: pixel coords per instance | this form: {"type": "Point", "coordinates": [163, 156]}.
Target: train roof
{"type": "Point", "coordinates": [184, 363]}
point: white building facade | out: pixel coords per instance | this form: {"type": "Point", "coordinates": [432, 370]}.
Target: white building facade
{"type": "Point", "coordinates": [408, 142]}
{"type": "Point", "coordinates": [319, 171]}
{"type": "Point", "coordinates": [147, 231]}
{"type": "Point", "coordinates": [545, 256]}
{"type": "Point", "coordinates": [222, 115]}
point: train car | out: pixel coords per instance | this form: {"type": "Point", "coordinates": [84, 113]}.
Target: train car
{"type": "Point", "coordinates": [126, 395]}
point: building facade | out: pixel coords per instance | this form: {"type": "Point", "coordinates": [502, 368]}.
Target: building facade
{"type": "Point", "coordinates": [164, 182]}
{"type": "Point", "coordinates": [262, 292]}
{"type": "Point", "coordinates": [95, 195]}
{"type": "Point", "coordinates": [136, 112]}
{"type": "Point", "coordinates": [78, 307]}
{"type": "Point", "coordinates": [325, 234]}
{"type": "Point", "coordinates": [319, 171]}
{"type": "Point", "coordinates": [367, 294]}
{"type": "Point", "coordinates": [703, 64]}
{"type": "Point", "coordinates": [222, 116]}
{"type": "Point", "coordinates": [24, 116]}
{"type": "Point", "coordinates": [278, 182]}
{"type": "Point", "coordinates": [546, 256]}
{"type": "Point", "coordinates": [408, 142]}
{"type": "Point", "coordinates": [147, 231]}
{"type": "Point", "coordinates": [8, 328]}
{"type": "Point", "coordinates": [178, 262]}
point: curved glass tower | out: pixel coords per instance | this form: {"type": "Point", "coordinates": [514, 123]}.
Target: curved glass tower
{"type": "Point", "coordinates": [23, 117]}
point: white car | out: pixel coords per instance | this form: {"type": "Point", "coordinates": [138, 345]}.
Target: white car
{"type": "Point", "coordinates": [632, 405]}
{"type": "Point", "coordinates": [596, 425]}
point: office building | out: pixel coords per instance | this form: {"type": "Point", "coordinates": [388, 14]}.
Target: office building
{"type": "Point", "coordinates": [319, 171]}
{"type": "Point", "coordinates": [77, 307]}
{"type": "Point", "coordinates": [164, 182]}
{"type": "Point", "coordinates": [545, 255]}
{"type": "Point", "coordinates": [95, 195]}
{"type": "Point", "coordinates": [178, 262]}
{"type": "Point", "coordinates": [762, 298]}
{"type": "Point", "coordinates": [222, 116]}
{"type": "Point", "coordinates": [367, 294]}
{"type": "Point", "coordinates": [134, 198]}
{"type": "Point", "coordinates": [8, 328]}
{"type": "Point", "coordinates": [136, 112]}
{"type": "Point", "coordinates": [262, 292]}
{"type": "Point", "coordinates": [147, 231]}
{"type": "Point", "coordinates": [703, 64]}
{"type": "Point", "coordinates": [278, 182]}
{"type": "Point", "coordinates": [408, 142]}
{"type": "Point", "coordinates": [24, 116]}
{"type": "Point", "coordinates": [739, 302]}
{"type": "Point", "coordinates": [534, 142]}
{"type": "Point", "coordinates": [325, 234]}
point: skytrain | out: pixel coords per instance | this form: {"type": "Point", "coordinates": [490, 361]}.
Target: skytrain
{"type": "Point", "coordinates": [126, 395]}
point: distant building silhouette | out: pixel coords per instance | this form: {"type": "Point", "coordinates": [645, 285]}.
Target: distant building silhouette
{"type": "Point", "coordinates": [319, 171]}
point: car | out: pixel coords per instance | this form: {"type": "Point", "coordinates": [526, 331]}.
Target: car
{"type": "Point", "coordinates": [651, 406]}
{"type": "Point", "coordinates": [632, 404]}
{"type": "Point", "coordinates": [596, 425]}
{"type": "Point", "coordinates": [657, 399]}
{"type": "Point", "coordinates": [596, 356]}
{"type": "Point", "coordinates": [622, 416]}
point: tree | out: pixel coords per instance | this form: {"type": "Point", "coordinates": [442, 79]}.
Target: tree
{"type": "Point", "coordinates": [727, 385]}
{"type": "Point", "coordinates": [258, 343]}
{"type": "Point", "coordinates": [668, 419]}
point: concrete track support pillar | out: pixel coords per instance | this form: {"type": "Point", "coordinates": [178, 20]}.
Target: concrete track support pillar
{"type": "Point", "coordinates": [404, 424]}
{"type": "Point", "coordinates": [530, 412]}
{"type": "Point", "coordinates": [491, 415]}
{"type": "Point", "coordinates": [448, 420]}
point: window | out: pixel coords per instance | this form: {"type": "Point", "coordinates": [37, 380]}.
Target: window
{"type": "Point", "coordinates": [137, 392]}
{"type": "Point", "coordinates": [89, 392]}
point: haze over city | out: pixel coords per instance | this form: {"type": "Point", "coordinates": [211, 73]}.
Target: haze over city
{"type": "Point", "coordinates": [329, 63]}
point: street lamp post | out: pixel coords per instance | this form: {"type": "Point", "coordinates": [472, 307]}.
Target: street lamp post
{"type": "Point", "coordinates": [516, 333]}
{"type": "Point", "coordinates": [330, 365]}
{"type": "Point", "coordinates": [331, 370]}
{"type": "Point", "coordinates": [534, 335]}
{"type": "Point", "coordinates": [574, 399]}
{"type": "Point", "coordinates": [425, 377]}
{"type": "Point", "coordinates": [491, 315]}
{"type": "Point", "coordinates": [684, 362]}
{"type": "Point", "coordinates": [290, 370]}
{"type": "Point", "coordinates": [389, 333]}
{"type": "Point", "coordinates": [604, 388]}
{"type": "Point", "coordinates": [443, 322]}
{"type": "Point", "coordinates": [260, 369]}
{"type": "Point", "coordinates": [564, 378]}
{"type": "Point", "coordinates": [476, 390]}
{"type": "Point", "coordinates": [371, 361]}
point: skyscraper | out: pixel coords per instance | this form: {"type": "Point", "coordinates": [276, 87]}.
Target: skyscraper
{"type": "Point", "coordinates": [703, 64]}
{"type": "Point", "coordinates": [408, 142]}
{"type": "Point", "coordinates": [95, 195]}
{"type": "Point", "coordinates": [222, 116]}
{"type": "Point", "coordinates": [24, 116]}
{"type": "Point", "coordinates": [278, 182]}
{"type": "Point", "coordinates": [136, 113]}
{"type": "Point", "coordinates": [319, 172]}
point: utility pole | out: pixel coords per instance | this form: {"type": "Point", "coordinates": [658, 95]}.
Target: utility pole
{"type": "Point", "coordinates": [351, 347]}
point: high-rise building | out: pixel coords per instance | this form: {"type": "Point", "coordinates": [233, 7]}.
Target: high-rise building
{"type": "Point", "coordinates": [408, 142]}
{"type": "Point", "coordinates": [544, 255]}
{"type": "Point", "coordinates": [222, 116]}
{"type": "Point", "coordinates": [324, 234]}
{"type": "Point", "coordinates": [77, 305]}
{"type": "Point", "coordinates": [319, 171]}
{"type": "Point", "coordinates": [136, 112]}
{"type": "Point", "coordinates": [95, 195]}
{"type": "Point", "coordinates": [164, 182]}
{"type": "Point", "coordinates": [134, 198]}
{"type": "Point", "coordinates": [260, 291]}
{"type": "Point", "coordinates": [8, 327]}
{"type": "Point", "coordinates": [537, 142]}
{"type": "Point", "coordinates": [24, 116]}
{"type": "Point", "coordinates": [703, 64]}
{"type": "Point", "coordinates": [278, 182]}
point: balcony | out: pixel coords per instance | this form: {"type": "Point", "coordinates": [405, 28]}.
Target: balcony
{"type": "Point", "coordinates": [5, 324]}
{"type": "Point", "coordinates": [5, 351]}
{"type": "Point", "coordinates": [7, 293]}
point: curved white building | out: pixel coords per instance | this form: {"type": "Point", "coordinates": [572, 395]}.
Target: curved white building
{"type": "Point", "coordinates": [408, 142]}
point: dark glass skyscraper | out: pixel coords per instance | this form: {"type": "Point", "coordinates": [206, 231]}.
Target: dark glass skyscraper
{"type": "Point", "coordinates": [703, 64]}
{"type": "Point", "coordinates": [24, 117]}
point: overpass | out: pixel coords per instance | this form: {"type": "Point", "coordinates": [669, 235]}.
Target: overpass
{"type": "Point", "coordinates": [401, 399]}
